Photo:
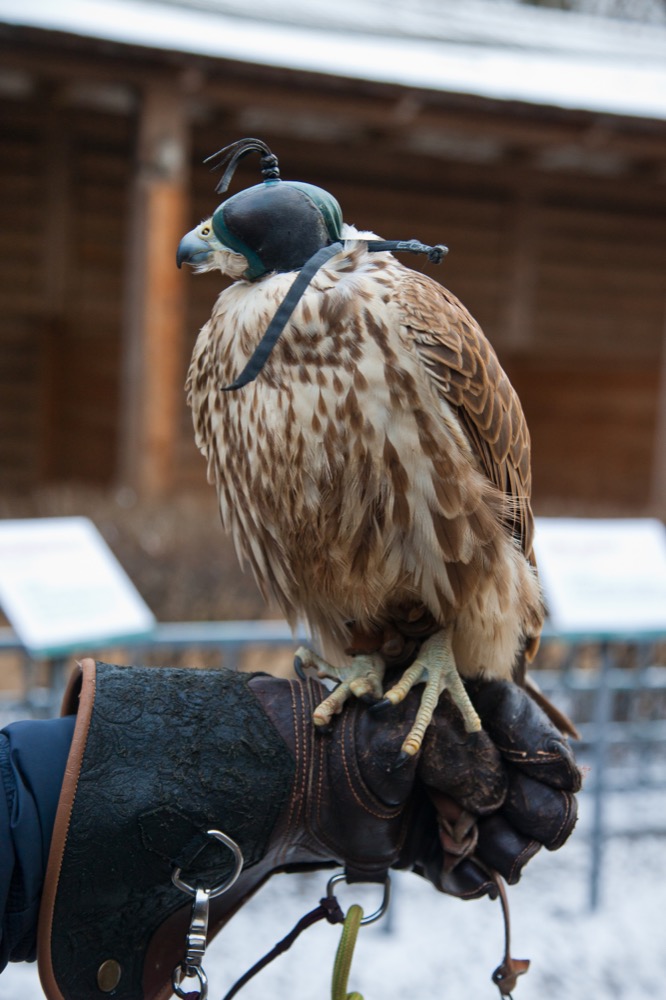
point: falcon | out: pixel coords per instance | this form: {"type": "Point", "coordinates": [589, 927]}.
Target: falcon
{"type": "Point", "coordinates": [371, 458]}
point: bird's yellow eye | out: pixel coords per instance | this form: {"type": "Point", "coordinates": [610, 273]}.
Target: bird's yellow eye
{"type": "Point", "coordinates": [205, 231]}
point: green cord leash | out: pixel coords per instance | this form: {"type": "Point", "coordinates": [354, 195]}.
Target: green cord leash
{"type": "Point", "coordinates": [344, 955]}
{"type": "Point", "coordinates": [328, 909]}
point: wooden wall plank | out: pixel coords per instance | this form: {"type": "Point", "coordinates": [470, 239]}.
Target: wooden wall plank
{"type": "Point", "coordinates": [592, 433]}
{"type": "Point", "coordinates": [155, 304]}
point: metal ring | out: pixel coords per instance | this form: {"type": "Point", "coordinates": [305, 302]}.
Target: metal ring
{"type": "Point", "coordinates": [180, 973]}
{"type": "Point", "coordinates": [384, 903]}
{"type": "Point", "coordinates": [217, 890]}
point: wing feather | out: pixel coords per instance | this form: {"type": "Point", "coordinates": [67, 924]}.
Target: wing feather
{"type": "Point", "coordinates": [468, 375]}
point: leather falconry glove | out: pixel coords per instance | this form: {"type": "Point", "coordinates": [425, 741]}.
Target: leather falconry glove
{"type": "Point", "coordinates": [172, 771]}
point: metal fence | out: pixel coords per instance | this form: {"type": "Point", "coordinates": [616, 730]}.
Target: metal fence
{"type": "Point", "coordinates": [620, 712]}
{"type": "Point", "coordinates": [614, 687]}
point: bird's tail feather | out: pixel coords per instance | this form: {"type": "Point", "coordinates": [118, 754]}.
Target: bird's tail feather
{"type": "Point", "coordinates": [557, 717]}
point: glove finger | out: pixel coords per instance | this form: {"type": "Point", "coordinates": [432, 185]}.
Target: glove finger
{"type": "Point", "coordinates": [504, 849]}
{"type": "Point", "coordinates": [458, 832]}
{"type": "Point", "coordinates": [524, 734]}
{"type": "Point", "coordinates": [466, 881]}
{"type": "Point", "coordinates": [465, 766]}
{"type": "Point", "coordinates": [539, 811]}
{"type": "Point", "coordinates": [450, 871]}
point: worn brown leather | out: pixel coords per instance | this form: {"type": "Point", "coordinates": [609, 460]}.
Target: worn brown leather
{"type": "Point", "coordinates": [538, 775]}
{"type": "Point", "coordinates": [347, 803]}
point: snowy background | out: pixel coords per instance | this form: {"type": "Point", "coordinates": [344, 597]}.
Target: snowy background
{"type": "Point", "coordinates": [439, 947]}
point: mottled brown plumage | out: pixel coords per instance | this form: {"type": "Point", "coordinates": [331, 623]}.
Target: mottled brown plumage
{"type": "Point", "coordinates": [378, 469]}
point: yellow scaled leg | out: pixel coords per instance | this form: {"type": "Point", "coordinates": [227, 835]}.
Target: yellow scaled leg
{"type": "Point", "coordinates": [436, 666]}
{"type": "Point", "coordinates": [362, 678]}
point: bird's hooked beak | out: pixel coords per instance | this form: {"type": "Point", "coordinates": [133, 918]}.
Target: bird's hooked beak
{"type": "Point", "coordinates": [197, 246]}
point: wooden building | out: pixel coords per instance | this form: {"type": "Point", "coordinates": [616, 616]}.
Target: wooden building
{"type": "Point", "coordinates": [553, 206]}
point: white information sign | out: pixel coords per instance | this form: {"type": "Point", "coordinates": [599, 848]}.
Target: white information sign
{"type": "Point", "coordinates": [603, 576]}
{"type": "Point", "coordinates": [61, 587]}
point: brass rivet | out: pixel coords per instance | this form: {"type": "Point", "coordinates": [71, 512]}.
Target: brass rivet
{"type": "Point", "coordinates": [108, 975]}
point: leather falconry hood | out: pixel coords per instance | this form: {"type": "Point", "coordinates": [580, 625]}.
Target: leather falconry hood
{"type": "Point", "coordinates": [277, 225]}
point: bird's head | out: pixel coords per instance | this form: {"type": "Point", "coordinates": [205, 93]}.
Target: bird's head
{"type": "Point", "coordinates": [203, 250]}
{"type": "Point", "coordinates": [274, 226]}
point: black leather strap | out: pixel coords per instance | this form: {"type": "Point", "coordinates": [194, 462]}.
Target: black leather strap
{"type": "Point", "coordinates": [328, 909]}
{"type": "Point", "coordinates": [434, 254]}
{"type": "Point", "coordinates": [282, 317]}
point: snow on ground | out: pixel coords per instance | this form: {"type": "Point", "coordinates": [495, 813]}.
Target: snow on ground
{"type": "Point", "coordinates": [438, 947]}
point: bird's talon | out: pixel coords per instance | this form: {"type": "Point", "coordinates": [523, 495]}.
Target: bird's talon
{"type": "Point", "coordinates": [412, 745]}
{"type": "Point", "coordinates": [380, 706]}
{"type": "Point", "coordinates": [402, 758]}
{"type": "Point", "coordinates": [299, 669]}
{"type": "Point", "coordinates": [365, 688]}
{"type": "Point", "coordinates": [321, 719]}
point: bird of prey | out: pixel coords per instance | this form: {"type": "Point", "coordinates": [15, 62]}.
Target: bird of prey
{"type": "Point", "coordinates": [371, 458]}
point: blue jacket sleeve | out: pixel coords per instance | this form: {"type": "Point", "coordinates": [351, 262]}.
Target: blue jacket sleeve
{"type": "Point", "coordinates": [32, 764]}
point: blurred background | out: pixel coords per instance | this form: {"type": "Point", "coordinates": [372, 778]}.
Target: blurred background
{"type": "Point", "coordinates": [529, 137]}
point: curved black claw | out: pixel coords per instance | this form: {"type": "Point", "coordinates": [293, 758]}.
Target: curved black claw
{"type": "Point", "coordinates": [299, 668]}
{"type": "Point", "coordinates": [380, 706]}
{"type": "Point", "coordinates": [400, 761]}
{"type": "Point", "coordinates": [369, 699]}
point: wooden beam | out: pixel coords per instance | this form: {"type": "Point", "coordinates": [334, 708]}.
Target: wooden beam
{"type": "Point", "coordinates": [658, 484]}
{"type": "Point", "coordinates": [155, 295]}
{"type": "Point", "coordinates": [235, 88]}
{"type": "Point", "coordinates": [56, 259]}
{"type": "Point", "coordinates": [521, 252]}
